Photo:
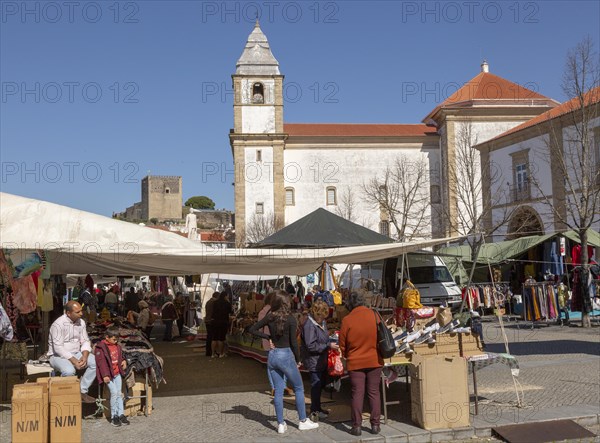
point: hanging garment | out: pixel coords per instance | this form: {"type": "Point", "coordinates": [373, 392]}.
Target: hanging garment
{"type": "Point", "coordinates": [6, 271]}
{"type": "Point", "coordinates": [47, 302]}
{"type": "Point", "coordinates": [24, 294]}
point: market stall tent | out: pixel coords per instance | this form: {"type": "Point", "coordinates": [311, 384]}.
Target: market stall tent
{"type": "Point", "coordinates": [322, 228]}
{"type": "Point", "coordinates": [79, 242]}
{"type": "Point", "coordinates": [494, 253]}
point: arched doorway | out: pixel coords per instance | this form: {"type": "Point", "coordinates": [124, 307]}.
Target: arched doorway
{"type": "Point", "coordinates": [525, 221]}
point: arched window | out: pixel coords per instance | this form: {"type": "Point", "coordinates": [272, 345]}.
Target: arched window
{"type": "Point", "coordinates": [167, 191]}
{"type": "Point", "coordinates": [258, 93]}
{"type": "Point", "coordinates": [331, 196]}
{"type": "Point", "coordinates": [384, 228]}
{"type": "Point", "coordinates": [290, 199]}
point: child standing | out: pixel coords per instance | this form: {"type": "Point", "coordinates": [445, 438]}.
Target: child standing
{"type": "Point", "coordinates": [110, 367]}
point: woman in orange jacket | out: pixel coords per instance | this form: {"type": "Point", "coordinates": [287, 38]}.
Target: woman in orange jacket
{"type": "Point", "coordinates": [358, 343]}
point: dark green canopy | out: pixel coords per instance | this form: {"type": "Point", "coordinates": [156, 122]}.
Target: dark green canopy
{"type": "Point", "coordinates": [322, 229]}
{"type": "Point", "coordinates": [500, 251]}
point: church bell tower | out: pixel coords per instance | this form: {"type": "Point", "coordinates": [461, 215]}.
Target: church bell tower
{"type": "Point", "coordinates": [257, 138]}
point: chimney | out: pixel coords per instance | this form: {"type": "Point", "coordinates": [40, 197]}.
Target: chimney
{"type": "Point", "coordinates": [485, 67]}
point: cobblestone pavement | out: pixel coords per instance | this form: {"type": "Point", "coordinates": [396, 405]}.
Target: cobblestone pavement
{"type": "Point", "coordinates": [225, 399]}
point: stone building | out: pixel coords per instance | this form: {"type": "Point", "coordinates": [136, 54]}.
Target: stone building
{"type": "Point", "coordinates": [284, 171]}
{"type": "Point", "coordinates": [162, 199]}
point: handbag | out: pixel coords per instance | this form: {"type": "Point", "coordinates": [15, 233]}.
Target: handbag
{"type": "Point", "coordinates": [385, 341]}
{"type": "Point", "coordinates": [411, 298]}
{"type": "Point", "coordinates": [335, 368]}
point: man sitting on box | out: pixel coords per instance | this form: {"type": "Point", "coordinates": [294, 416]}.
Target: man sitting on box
{"type": "Point", "coordinates": [69, 348]}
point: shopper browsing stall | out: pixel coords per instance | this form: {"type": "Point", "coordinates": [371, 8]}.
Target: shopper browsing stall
{"type": "Point", "coordinates": [315, 347]}
{"type": "Point", "coordinates": [358, 343]}
{"type": "Point", "coordinates": [284, 358]}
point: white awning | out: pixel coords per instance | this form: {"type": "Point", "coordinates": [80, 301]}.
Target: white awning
{"type": "Point", "coordinates": [79, 242]}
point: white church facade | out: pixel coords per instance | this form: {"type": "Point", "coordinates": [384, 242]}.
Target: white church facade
{"type": "Point", "coordinates": [285, 170]}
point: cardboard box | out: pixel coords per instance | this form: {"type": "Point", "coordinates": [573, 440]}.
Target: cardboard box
{"type": "Point", "coordinates": [30, 413]}
{"type": "Point", "coordinates": [439, 392]}
{"type": "Point", "coordinates": [65, 409]}
{"type": "Point", "coordinates": [445, 344]}
{"type": "Point", "coordinates": [135, 406]}
{"type": "Point", "coordinates": [469, 344]}
{"type": "Point", "coordinates": [425, 349]}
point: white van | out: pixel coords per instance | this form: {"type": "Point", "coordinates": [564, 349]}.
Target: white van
{"type": "Point", "coordinates": [432, 278]}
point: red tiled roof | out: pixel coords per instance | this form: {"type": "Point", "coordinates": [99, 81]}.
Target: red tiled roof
{"type": "Point", "coordinates": [590, 98]}
{"type": "Point", "coordinates": [485, 86]}
{"type": "Point", "coordinates": [212, 236]}
{"type": "Point", "coordinates": [358, 130]}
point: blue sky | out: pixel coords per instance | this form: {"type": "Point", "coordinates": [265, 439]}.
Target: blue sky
{"type": "Point", "coordinates": [96, 94]}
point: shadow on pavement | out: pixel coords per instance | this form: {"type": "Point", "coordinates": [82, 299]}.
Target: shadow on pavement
{"type": "Point", "coordinates": [534, 347]}
{"type": "Point", "coordinates": [252, 414]}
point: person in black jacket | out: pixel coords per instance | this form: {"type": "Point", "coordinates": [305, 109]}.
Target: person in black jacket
{"type": "Point", "coordinates": [220, 324]}
{"type": "Point", "coordinates": [284, 358]}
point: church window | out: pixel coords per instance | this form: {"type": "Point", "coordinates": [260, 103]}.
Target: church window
{"type": "Point", "coordinates": [260, 208]}
{"type": "Point", "coordinates": [331, 196]}
{"type": "Point", "coordinates": [258, 94]}
{"type": "Point", "coordinates": [384, 228]}
{"type": "Point", "coordinates": [289, 197]}
{"type": "Point", "coordinates": [258, 155]}
{"type": "Point", "coordinates": [167, 191]}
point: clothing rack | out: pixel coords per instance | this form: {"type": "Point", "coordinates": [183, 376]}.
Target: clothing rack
{"type": "Point", "coordinates": [488, 294]}
{"type": "Point", "coordinates": [540, 303]}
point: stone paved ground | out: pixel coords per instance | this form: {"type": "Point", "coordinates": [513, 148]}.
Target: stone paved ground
{"type": "Point", "coordinates": [225, 400]}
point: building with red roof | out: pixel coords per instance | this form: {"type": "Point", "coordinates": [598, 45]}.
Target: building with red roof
{"type": "Point", "coordinates": [284, 171]}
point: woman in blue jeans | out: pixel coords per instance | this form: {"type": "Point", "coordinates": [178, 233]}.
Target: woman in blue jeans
{"type": "Point", "coordinates": [284, 358]}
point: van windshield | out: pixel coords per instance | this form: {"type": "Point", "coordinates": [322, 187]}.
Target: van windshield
{"type": "Point", "coordinates": [431, 274]}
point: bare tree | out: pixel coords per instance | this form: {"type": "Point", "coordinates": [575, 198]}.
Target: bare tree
{"type": "Point", "coordinates": [261, 226]}
{"type": "Point", "coordinates": [401, 193]}
{"type": "Point", "coordinates": [346, 207]}
{"type": "Point", "coordinates": [465, 210]}
{"type": "Point", "coordinates": [571, 150]}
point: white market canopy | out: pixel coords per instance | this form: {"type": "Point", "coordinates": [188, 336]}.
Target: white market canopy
{"type": "Point", "coordinates": [79, 242]}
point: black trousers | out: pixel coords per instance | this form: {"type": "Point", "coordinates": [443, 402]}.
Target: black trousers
{"type": "Point", "coordinates": [209, 339]}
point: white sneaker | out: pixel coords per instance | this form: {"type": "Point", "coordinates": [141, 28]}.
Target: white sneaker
{"type": "Point", "coordinates": [307, 425]}
{"type": "Point", "coordinates": [282, 428]}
